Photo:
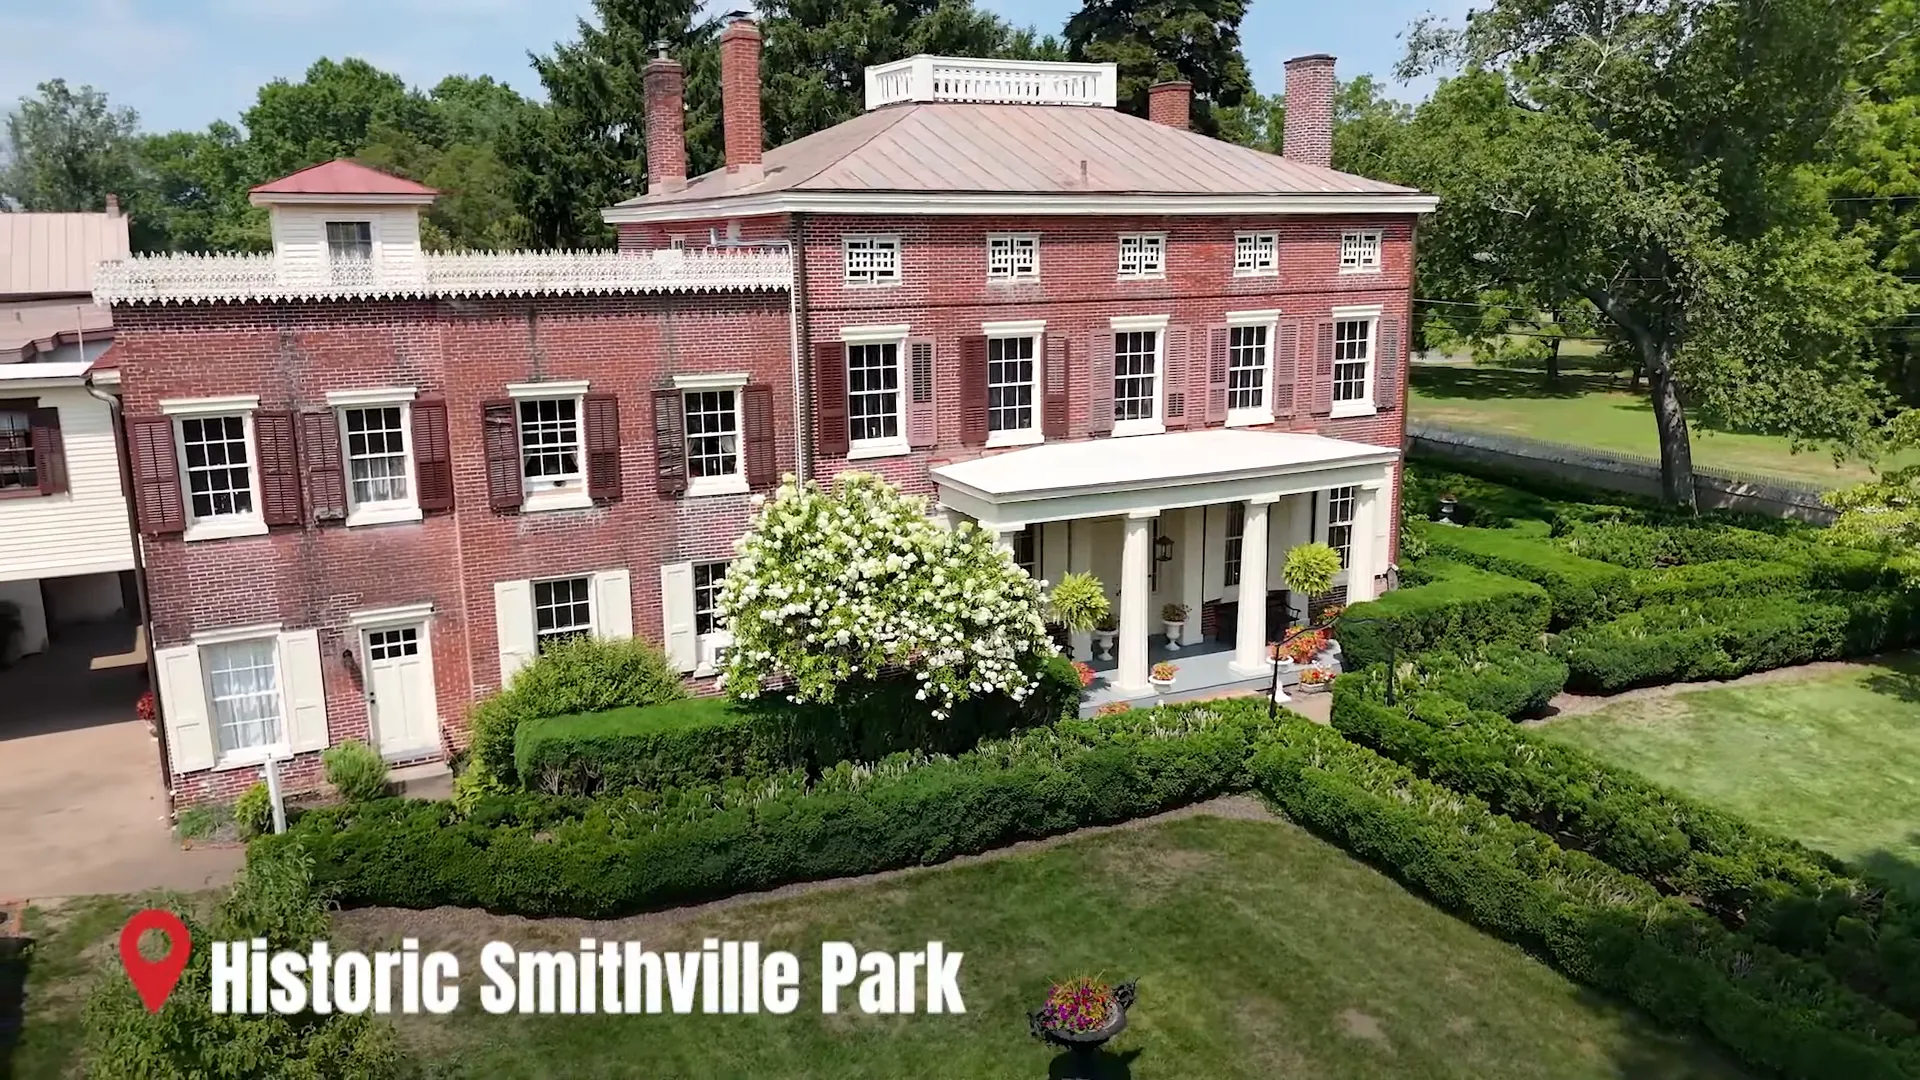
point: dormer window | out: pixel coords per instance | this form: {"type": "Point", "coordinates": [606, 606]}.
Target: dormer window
{"type": "Point", "coordinates": [349, 241]}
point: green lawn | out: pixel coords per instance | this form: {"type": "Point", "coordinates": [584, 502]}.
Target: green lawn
{"type": "Point", "coordinates": [1833, 761]}
{"type": "Point", "coordinates": [1590, 409]}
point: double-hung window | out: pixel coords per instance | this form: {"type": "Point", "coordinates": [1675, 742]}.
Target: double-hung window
{"type": "Point", "coordinates": [1137, 364]}
{"type": "Point", "coordinates": [1256, 254]}
{"type": "Point", "coordinates": [562, 610]}
{"type": "Point", "coordinates": [376, 448]}
{"type": "Point", "coordinates": [1250, 359]}
{"type": "Point", "coordinates": [1013, 382]}
{"type": "Point", "coordinates": [711, 406]}
{"type": "Point", "coordinates": [1236, 535]}
{"type": "Point", "coordinates": [550, 421]}
{"type": "Point", "coordinates": [1340, 522]}
{"type": "Point", "coordinates": [350, 251]}
{"type": "Point", "coordinates": [1360, 251]}
{"type": "Point", "coordinates": [871, 260]}
{"type": "Point", "coordinates": [1354, 336]}
{"type": "Point", "coordinates": [1013, 257]}
{"type": "Point", "coordinates": [17, 472]}
{"type": "Point", "coordinates": [1026, 550]}
{"type": "Point", "coordinates": [244, 695]}
{"type": "Point", "coordinates": [709, 625]}
{"type": "Point", "coordinates": [1143, 255]}
{"type": "Point", "coordinates": [220, 479]}
{"type": "Point", "coordinates": [876, 398]}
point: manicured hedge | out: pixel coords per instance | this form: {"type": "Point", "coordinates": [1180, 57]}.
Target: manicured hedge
{"type": "Point", "coordinates": [1509, 680]}
{"type": "Point", "coordinates": [1463, 608]}
{"type": "Point", "coordinates": [1786, 895]}
{"type": "Point", "coordinates": [540, 855]}
{"type": "Point", "coordinates": [1645, 547]}
{"type": "Point", "coordinates": [1596, 924]}
{"type": "Point", "coordinates": [1582, 591]}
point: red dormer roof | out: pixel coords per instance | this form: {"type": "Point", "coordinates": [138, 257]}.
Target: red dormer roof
{"type": "Point", "coordinates": [342, 177]}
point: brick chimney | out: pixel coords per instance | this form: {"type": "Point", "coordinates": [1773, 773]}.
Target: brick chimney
{"type": "Point", "coordinates": [113, 205]}
{"type": "Point", "coordinates": [666, 83]}
{"type": "Point", "coordinates": [1171, 103]}
{"type": "Point", "coordinates": [740, 99]}
{"type": "Point", "coordinates": [1309, 133]}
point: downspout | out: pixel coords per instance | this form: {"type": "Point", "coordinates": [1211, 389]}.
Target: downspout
{"type": "Point", "coordinates": [123, 452]}
{"type": "Point", "coordinates": [802, 386]}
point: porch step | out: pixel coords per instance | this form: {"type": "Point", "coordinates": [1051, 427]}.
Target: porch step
{"type": "Point", "coordinates": [427, 780]}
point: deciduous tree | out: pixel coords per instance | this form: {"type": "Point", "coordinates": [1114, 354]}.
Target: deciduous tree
{"type": "Point", "coordinates": [1157, 40]}
{"type": "Point", "coordinates": [68, 149]}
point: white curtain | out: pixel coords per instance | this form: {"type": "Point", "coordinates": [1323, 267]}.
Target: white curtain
{"type": "Point", "coordinates": [243, 685]}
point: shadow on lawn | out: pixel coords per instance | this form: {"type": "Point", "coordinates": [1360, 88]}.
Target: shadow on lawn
{"type": "Point", "coordinates": [1449, 381]}
{"type": "Point", "coordinates": [1102, 1066]}
{"type": "Point", "coordinates": [1899, 680]}
{"type": "Point", "coordinates": [1897, 868]}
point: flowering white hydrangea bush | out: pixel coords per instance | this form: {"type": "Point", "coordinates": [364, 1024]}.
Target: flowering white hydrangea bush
{"type": "Point", "coordinates": [844, 582]}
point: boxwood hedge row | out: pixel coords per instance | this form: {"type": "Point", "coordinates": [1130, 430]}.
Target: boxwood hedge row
{"type": "Point", "coordinates": [1462, 607]}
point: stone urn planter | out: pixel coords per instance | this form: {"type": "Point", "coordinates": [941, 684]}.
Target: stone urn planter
{"type": "Point", "coordinates": [1083, 1045]}
{"type": "Point", "coordinates": [1173, 618]}
{"type": "Point", "coordinates": [1161, 678]}
{"type": "Point", "coordinates": [1103, 642]}
{"type": "Point", "coordinates": [1315, 681]}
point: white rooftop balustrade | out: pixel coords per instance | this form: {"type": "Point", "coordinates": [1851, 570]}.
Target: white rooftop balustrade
{"type": "Point", "coordinates": [1007, 82]}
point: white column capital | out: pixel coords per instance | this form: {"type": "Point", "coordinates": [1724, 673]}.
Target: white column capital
{"type": "Point", "coordinates": [1264, 500]}
{"type": "Point", "coordinates": [1372, 485]}
{"type": "Point", "coordinates": [1147, 514]}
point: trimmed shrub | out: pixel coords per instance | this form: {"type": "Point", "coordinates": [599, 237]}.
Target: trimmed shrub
{"type": "Point", "coordinates": [539, 855]}
{"type": "Point", "coordinates": [583, 675]}
{"type": "Point", "coordinates": [1644, 547]}
{"type": "Point", "coordinates": [355, 770]}
{"type": "Point", "coordinates": [253, 811]}
{"type": "Point", "coordinates": [1505, 679]}
{"type": "Point", "coordinates": [1463, 608]}
{"type": "Point", "coordinates": [1596, 924]}
{"type": "Point", "coordinates": [1582, 590]}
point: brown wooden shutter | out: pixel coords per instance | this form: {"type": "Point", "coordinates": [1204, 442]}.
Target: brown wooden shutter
{"type": "Point", "coordinates": [1179, 343]}
{"type": "Point", "coordinates": [973, 391]}
{"type": "Point", "coordinates": [1387, 365]}
{"type": "Point", "coordinates": [1219, 337]}
{"type": "Point", "coordinates": [669, 443]}
{"type": "Point", "coordinates": [756, 408]}
{"type": "Point", "coordinates": [49, 450]}
{"type": "Point", "coordinates": [1100, 382]}
{"type": "Point", "coordinates": [279, 453]}
{"type": "Point", "coordinates": [1322, 386]}
{"type": "Point", "coordinates": [1286, 360]}
{"type": "Point", "coordinates": [923, 419]}
{"type": "Point", "coordinates": [500, 434]}
{"type": "Point", "coordinates": [1056, 420]}
{"type": "Point", "coordinates": [830, 397]}
{"type": "Point", "coordinates": [156, 476]}
{"type": "Point", "coordinates": [432, 455]}
{"type": "Point", "coordinates": [326, 473]}
{"type": "Point", "coordinates": [603, 445]}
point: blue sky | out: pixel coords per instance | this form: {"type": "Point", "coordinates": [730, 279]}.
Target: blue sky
{"type": "Point", "coordinates": [185, 63]}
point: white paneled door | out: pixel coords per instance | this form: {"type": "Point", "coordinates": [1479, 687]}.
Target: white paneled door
{"type": "Point", "coordinates": [400, 698]}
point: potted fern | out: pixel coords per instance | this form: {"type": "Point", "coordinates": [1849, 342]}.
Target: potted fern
{"type": "Point", "coordinates": [1173, 618]}
{"type": "Point", "coordinates": [1079, 602]}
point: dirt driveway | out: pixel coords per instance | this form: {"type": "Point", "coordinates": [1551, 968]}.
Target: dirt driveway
{"type": "Point", "coordinates": [82, 808]}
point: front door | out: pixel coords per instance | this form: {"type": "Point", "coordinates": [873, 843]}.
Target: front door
{"type": "Point", "coordinates": [400, 699]}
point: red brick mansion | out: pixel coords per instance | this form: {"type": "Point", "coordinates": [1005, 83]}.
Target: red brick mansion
{"type": "Point", "coordinates": [372, 480]}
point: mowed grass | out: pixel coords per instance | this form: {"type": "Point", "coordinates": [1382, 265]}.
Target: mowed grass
{"type": "Point", "coordinates": [1586, 408]}
{"type": "Point", "coordinates": [1260, 952]}
{"type": "Point", "coordinates": [1832, 760]}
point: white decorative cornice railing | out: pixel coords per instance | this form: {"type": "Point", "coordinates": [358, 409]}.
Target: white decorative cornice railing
{"type": "Point", "coordinates": [161, 279]}
{"type": "Point", "coordinates": [1017, 82]}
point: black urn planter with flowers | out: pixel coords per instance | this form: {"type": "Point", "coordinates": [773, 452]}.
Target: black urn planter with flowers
{"type": "Point", "coordinates": [1080, 1017]}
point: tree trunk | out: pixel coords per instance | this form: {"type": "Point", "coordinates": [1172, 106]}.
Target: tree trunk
{"type": "Point", "coordinates": [1633, 382]}
{"type": "Point", "coordinates": [1676, 445]}
{"type": "Point", "coordinates": [1553, 361]}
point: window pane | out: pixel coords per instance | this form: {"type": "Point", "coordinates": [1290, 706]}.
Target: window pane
{"type": "Point", "coordinates": [562, 610]}
{"type": "Point", "coordinates": [707, 579]}
{"type": "Point", "coordinates": [243, 691]}
{"type": "Point", "coordinates": [376, 455]}
{"type": "Point", "coordinates": [1136, 357]}
{"type": "Point", "coordinates": [16, 452]}
{"type": "Point", "coordinates": [1247, 367]}
{"type": "Point", "coordinates": [1010, 384]}
{"type": "Point", "coordinates": [349, 241]}
{"type": "Point", "coordinates": [1236, 534]}
{"type": "Point", "coordinates": [550, 439]}
{"type": "Point", "coordinates": [712, 434]}
{"type": "Point", "coordinates": [1340, 522]}
{"type": "Point", "coordinates": [1352, 345]}
{"type": "Point", "coordinates": [219, 481]}
{"type": "Point", "coordinates": [873, 392]}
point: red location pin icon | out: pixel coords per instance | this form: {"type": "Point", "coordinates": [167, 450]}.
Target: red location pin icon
{"type": "Point", "coordinates": [153, 980]}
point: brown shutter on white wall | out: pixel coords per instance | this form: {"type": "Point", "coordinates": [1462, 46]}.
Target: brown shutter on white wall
{"type": "Point", "coordinates": [1388, 365]}
{"type": "Point", "coordinates": [603, 446]}
{"type": "Point", "coordinates": [973, 391]}
{"type": "Point", "coordinates": [669, 443]}
{"type": "Point", "coordinates": [49, 450]}
{"type": "Point", "coordinates": [1218, 339]}
{"type": "Point", "coordinates": [1100, 382]}
{"type": "Point", "coordinates": [1180, 376]}
{"type": "Point", "coordinates": [1286, 361]}
{"type": "Point", "coordinates": [923, 422]}
{"type": "Point", "coordinates": [156, 476]}
{"type": "Point", "coordinates": [1322, 386]}
{"type": "Point", "coordinates": [830, 397]}
{"type": "Point", "coordinates": [500, 435]}
{"type": "Point", "coordinates": [1056, 421]}
{"type": "Point", "coordinates": [756, 408]}
{"type": "Point", "coordinates": [432, 455]}
{"type": "Point", "coordinates": [279, 468]}
{"type": "Point", "coordinates": [325, 474]}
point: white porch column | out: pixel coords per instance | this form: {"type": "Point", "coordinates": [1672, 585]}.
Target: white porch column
{"type": "Point", "coordinates": [1080, 561]}
{"type": "Point", "coordinates": [1361, 568]}
{"type": "Point", "coordinates": [1250, 634]}
{"type": "Point", "coordinates": [1004, 540]}
{"type": "Point", "coordinates": [1188, 547]}
{"type": "Point", "coordinates": [1136, 593]}
{"type": "Point", "coordinates": [945, 516]}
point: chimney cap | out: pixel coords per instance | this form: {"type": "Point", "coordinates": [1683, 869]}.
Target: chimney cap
{"type": "Point", "coordinates": [660, 49]}
{"type": "Point", "coordinates": [1172, 84]}
{"type": "Point", "coordinates": [1312, 58]}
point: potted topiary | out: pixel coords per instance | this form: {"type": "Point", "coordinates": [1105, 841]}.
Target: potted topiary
{"type": "Point", "coordinates": [1079, 602]}
{"type": "Point", "coordinates": [1174, 618]}
{"type": "Point", "coordinates": [1105, 632]}
{"type": "Point", "coordinates": [1162, 676]}
{"type": "Point", "coordinates": [1080, 1016]}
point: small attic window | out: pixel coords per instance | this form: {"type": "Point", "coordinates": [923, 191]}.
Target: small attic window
{"type": "Point", "coordinates": [349, 241]}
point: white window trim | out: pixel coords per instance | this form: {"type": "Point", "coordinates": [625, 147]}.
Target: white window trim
{"type": "Point", "coordinates": [1012, 240]}
{"type": "Point", "coordinates": [1270, 319]}
{"type": "Point", "coordinates": [1033, 328]}
{"type": "Point", "coordinates": [894, 334]}
{"type": "Point", "coordinates": [1323, 523]}
{"type": "Point", "coordinates": [391, 511]}
{"type": "Point", "coordinates": [572, 496]}
{"type": "Point", "coordinates": [224, 526]}
{"type": "Point", "coordinates": [1257, 234]}
{"type": "Point", "coordinates": [381, 618]}
{"type": "Point", "coordinates": [251, 756]}
{"type": "Point", "coordinates": [1369, 314]}
{"type": "Point", "coordinates": [1122, 274]}
{"type": "Point", "coordinates": [1121, 324]}
{"type": "Point", "coordinates": [374, 251]}
{"type": "Point", "coordinates": [568, 388]}
{"type": "Point", "coordinates": [533, 604]}
{"type": "Point", "coordinates": [707, 644]}
{"type": "Point", "coordinates": [1379, 251]}
{"type": "Point", "coordinates": [899, 257]}
{"type": "Point", "coordinates": [228, 634]}
{"type": "Point", "coordinates": [734, 483]}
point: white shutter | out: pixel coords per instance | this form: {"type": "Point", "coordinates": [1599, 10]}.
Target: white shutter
{"type": "Point", "coordinates": [183, 704]}
{"type": "Point", "coordinates": [305, 690]}
{"type": "Point", "coordinates": [513, 626]}
{"type": "Point", "coordinates": [676, 615]}
{"type": "Point", "coordinates": [613, 605]}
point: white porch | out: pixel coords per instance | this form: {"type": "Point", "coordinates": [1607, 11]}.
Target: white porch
{"type": "Point", "coordinates": [1198, 518]}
